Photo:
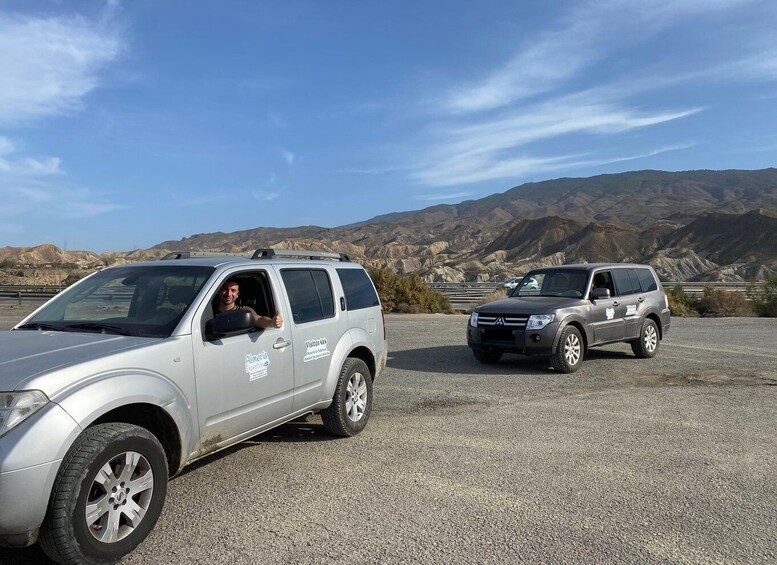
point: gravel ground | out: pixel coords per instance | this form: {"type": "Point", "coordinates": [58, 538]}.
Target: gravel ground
{"type": "Point", "coordinates": [667, 460]}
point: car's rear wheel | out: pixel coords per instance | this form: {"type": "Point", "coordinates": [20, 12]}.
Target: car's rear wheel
{"type": "Point", "coordinates": [570, 350]}
{"type": "Point", "coordinates": [647, 344]}
{"type": "Point", "coordinates": [487, 357]}
{"type": "Point", "coordinates": [107, 496]}
{"type": "Point", "coordinates": [352, 402]}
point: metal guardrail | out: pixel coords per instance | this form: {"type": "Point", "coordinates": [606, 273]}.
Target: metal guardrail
{"type": "Point", "coordinates": [467, 294]}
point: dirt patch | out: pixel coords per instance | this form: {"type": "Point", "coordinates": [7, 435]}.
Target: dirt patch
{"type": "Point", "coordinates": [445, 404]}
{"type": "Point", "coordinates": [707, 379]}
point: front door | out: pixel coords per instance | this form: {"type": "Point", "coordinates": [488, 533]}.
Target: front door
{"type": "Point", "coordinates": [245, 381]}
{"type": "Point", "coordinates": [606, 315]}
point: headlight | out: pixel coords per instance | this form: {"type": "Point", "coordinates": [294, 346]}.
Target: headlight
{"type": "Point", "coordinates": [15, 407]}
{"type": "Point", "coordinates": [473, 319]}
{"type": "Point", "coordinates": [539, 321]}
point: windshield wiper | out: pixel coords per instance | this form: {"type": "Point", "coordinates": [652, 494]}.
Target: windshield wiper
{"type": "Point", "coordinates": [40, 326]}
{"type": "Point", "coordinates": [98, 327]}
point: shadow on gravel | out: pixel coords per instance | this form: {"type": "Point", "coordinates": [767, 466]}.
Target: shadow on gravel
{"type": "Point", "coordinates": [28, 556]}
{"type": "Point", "coordinates": [458, 359]}
{"type": "Point", "coordinates": [296, 431]}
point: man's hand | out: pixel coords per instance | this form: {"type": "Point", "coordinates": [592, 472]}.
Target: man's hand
{"type": "Point", "coordinates": [277, 320]}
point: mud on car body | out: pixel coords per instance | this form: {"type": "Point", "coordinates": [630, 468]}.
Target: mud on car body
{"type": "Point", "coordinates": [560, 312]}
{"type": "Point", "coordinates": [126, 377]}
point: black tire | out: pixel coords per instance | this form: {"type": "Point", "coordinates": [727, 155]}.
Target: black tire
{"type": "Point", "coordinates": [106, 450]}
{"type": "Point", "coordinates": [569, 353]}
{"type": "Point", "coordinates": [487, 357]}
{"type": "Point", "coordinates": [647, 344]}
{"type": "Point", "coordinates": [352, 402]}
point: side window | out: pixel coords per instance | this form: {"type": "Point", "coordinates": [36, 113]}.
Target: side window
{"type": "Point", "coordinates": [253, 291]}
{"type": "Point", "coordinates": [359, 292]}
{"type": "Point", "coordinates": [635, 286]}
{"type": "Point", "coordinates": [603, 279]}
{"type": "Point", "coordinates": [310, 294]}
{"type": "Point", "coordinates": [647, 280]}
{"type": "Point", "coordinates": [623, 282]}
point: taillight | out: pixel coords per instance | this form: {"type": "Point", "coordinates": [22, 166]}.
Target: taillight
{"type": "Point", "coordinates": [383, 319]}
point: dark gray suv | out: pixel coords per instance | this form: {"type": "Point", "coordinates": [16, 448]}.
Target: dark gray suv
{"type": "Point", "coordinates": [559, 312]}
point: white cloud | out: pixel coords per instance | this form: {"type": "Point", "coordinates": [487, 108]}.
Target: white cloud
{"type": "Point", "coordinates": [48, 65]}
{"type": "Point", "coordinates": [448, 196]}
{"type": "Point", "coordinates": [497, 148]}
{"type": "Point", "coordinates": [288, 156]}
{"type": "Point", "coordinates": [25, 166]}
{"type": "Point", "coordinates": [581, 39]}
{"type": "Point", "coordinates": [266, 195]}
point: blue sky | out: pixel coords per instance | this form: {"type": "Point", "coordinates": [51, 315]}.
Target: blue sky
{"type": "Point", "coordinates": [124, 124]}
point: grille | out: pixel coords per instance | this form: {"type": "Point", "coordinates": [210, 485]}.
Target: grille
{"type": "Point", "coordinates": [512, 321]}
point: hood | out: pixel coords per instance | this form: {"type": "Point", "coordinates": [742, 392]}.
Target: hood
{"type": "Point", "coordinates": [528, 305]}
{"type": "Point", "coordinates": [29, 353]}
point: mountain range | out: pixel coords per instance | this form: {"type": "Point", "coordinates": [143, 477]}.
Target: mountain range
{"type": "Point", "coordinates": [691, 225]}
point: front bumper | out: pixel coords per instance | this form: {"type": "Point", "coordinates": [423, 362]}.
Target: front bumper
{"type": "Point", "coordinates": [513, 340]}
{"type": "Point", "coordinates": [30, 456]}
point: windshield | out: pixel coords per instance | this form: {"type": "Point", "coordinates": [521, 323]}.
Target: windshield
{"type": "Point", "coordinates": [146, 301]}
{"type": "Point", "coordinates": [561, 282]}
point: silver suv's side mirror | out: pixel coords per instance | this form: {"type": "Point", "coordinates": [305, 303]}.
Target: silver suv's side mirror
{"type": "Point", "coordinates": [229, 323]}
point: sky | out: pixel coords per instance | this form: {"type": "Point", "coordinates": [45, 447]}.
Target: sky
{"type": "Point", "coordinates": [127, 123]}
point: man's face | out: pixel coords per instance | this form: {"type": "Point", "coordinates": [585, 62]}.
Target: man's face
{"type": "Point", "coordinates": [229, 293]}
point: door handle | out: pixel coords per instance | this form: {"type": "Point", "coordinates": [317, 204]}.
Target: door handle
{"type": "Point", "coordinates": [281, 343]}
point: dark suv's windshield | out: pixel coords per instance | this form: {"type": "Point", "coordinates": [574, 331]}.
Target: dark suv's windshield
{"type": "Point", "coordinates": [146, 301]}
{"type": "Point", "coordinates": [561, 282]}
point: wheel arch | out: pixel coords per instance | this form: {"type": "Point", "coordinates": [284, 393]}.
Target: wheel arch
{"type": "Point", "coordinates": [150, 401]}
{"type": "Point", "coordinates": [156, 421]}
{"type": "Point", "coordinates": [657, 319]}
{"type": "Point", "coordinates": [577, 323]}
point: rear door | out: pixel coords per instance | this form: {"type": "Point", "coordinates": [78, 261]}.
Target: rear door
{"type": "Point", "coordinates": [317, 324]}
{"type": "Point", "coordinates": [632, 299]}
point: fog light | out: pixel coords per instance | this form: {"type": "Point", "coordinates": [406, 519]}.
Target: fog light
{"type": "Point", "coordinates": [535, 338]}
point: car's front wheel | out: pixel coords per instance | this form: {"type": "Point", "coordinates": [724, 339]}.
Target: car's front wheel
{"type": "Point", "coordinates": [569, 354]}
{"type": "Point", "coordinates": [647, 344]}
{"type": "Point", "coordinates": [107, 496]}
{"type": "Point", "coordinates": [487, 357]}
{"type": "Point", "coordinates": [352, 401]}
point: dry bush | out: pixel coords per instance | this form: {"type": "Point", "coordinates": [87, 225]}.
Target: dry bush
{"type": "Point", "coordinates": [498, 294]}
{"type": "Point", "coordinates": [682, 304]}
{"type": "Point", "coordinates": [718, 302]}
{"type": "Point", "coordinates": [408, 294]}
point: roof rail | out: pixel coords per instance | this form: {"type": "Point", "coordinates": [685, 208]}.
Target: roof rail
{"type": "Point", "coordinates": [199, 255]}
{"type": "Point", "coordinates": [298, 254]}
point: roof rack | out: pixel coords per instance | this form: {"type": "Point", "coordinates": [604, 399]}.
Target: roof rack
{"type": "Point", "coordinates": [298, 254]}
{"type": "Point", "coordinates": [199, 255]}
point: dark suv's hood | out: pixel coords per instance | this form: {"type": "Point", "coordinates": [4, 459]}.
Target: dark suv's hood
{"type": "Point", "coordinates": [528, 305]}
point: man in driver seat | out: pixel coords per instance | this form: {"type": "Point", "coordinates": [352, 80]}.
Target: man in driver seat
{"type": "Point", "coordinates": [228, 295]}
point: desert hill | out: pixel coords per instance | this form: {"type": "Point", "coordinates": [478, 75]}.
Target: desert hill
{"type": "Point", "coordinates": [692, 225]}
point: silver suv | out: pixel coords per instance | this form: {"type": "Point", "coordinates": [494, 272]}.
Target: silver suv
{"type": "Point", "coordinates": [128, 376]}
{"type": "Point", "coordinates": [560, 312]}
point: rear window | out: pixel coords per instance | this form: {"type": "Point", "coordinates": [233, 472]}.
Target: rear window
{"type": "Point", "coordinates": [359, 292]}
{"type": "Point", "coordinates": [310, 294]}
{"type": "Point", "coordinates": [625, 284]}
{"type": "Point", "coordinates": [647, 280]}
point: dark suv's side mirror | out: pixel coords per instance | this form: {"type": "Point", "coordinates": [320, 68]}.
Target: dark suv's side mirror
{"type": "Point", "coordinates": [230, 323]}
{"type": "Point", "coordinates": [600, 293]}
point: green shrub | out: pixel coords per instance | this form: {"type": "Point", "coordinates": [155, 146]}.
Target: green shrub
{"type": "Point", "coordinates": [765, 303]}
{"type": "Point", "coordinates": [718, 302]}
{"type": "Point", "coordinates": [682, 304]}
{"type": "Point", "coordinates": [408, 293]}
